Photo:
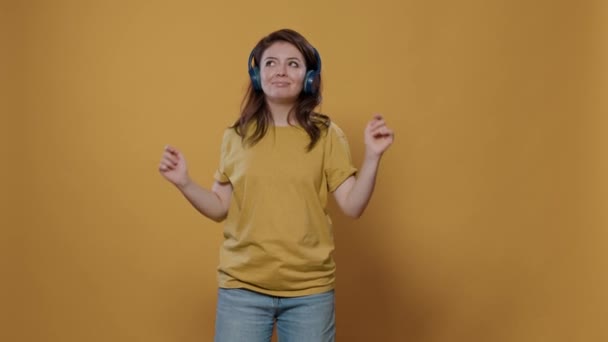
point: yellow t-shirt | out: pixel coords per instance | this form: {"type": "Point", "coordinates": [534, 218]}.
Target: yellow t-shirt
{"type": "Point", "coordinates": [278, 236]}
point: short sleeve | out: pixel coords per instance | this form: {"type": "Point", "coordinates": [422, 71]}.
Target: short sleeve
{"type": "Point", "coordinates": [221, 173]}
{"type": "Point", "coordinates": [338, 162]}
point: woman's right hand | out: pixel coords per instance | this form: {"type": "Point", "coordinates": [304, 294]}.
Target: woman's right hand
{"type": "Point", "coordinates": [173, 167]}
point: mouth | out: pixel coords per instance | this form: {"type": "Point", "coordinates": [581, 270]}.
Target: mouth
{"type": "Point", "coordinates": [280, 84]}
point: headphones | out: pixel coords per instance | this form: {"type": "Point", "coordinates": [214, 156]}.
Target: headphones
{"type": "Point", "coordinates": [309, 79]}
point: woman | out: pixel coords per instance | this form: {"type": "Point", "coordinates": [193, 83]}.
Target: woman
{"type": "Point", "coordinates": [279, 161]}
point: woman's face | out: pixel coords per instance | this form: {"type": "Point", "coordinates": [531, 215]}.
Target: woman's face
{"type": "Point", "coordinates": [282, 71]}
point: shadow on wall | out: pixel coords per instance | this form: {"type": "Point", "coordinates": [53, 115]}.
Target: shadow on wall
{"type": "Point", "coordinates": [377, 295]}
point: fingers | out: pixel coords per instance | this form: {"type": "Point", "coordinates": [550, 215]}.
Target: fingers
{"type": "Point", "coordinates": [382, 132]}
{"type": "Point", "coordinates": [172, 150]}
{"type": "Point", "coordinates": [377, 127]}
{"type": "Point", "coordinates": [169, 159]}
{"type": "Point", "coordinates": [167, 163]}
{"type": "Point", "coordinates": [377, 121]}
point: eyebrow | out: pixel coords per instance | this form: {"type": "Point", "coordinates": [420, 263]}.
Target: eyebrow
{"type": "Point", "coordinates": [289, 58]}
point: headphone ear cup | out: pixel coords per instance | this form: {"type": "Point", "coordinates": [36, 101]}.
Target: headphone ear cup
{"type": "Point", "coordinates": [309, 82]}
{"type": "Point", "coordinates": [254, 74]}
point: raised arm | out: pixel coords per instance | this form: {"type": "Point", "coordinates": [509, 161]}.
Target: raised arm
{"type": "Point", "coordinates": [354, 193]}
{"type": "Point", "coordinates": [212, 203]}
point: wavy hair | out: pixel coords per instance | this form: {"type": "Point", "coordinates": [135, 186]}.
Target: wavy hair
{"type": "Point", "coordinates": [254, 109]}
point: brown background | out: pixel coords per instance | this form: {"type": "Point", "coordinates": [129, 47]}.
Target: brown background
{"type": "Point", "coordinates": [489, 219]}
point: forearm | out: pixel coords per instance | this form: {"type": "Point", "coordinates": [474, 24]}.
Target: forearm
{"type": "Point", "coordinates": [363, 187]}
{"type": "Point", "coordinates": [205, 201]}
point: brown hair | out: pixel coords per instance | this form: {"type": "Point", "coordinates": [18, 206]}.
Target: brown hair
{"type": "Point", "coordinates": [254, 108]}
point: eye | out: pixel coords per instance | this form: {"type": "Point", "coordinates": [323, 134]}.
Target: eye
{"type": "Point", "coordinates": [294, 64]}
{"type": "Point", "coordinates": [269, 63]}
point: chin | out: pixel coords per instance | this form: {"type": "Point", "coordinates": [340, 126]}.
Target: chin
{"type": "Point", "coordinates": [282, 98]}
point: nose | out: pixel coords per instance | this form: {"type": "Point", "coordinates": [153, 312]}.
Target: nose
{"type": "Point", "coordinates": [281, 71]}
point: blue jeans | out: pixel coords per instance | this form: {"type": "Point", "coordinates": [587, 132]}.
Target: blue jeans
{"type": "Point", "coordinates": [247, 316]}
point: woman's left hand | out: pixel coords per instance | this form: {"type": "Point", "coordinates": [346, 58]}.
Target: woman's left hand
{"type": "Point", "coordinates": [378, 137]}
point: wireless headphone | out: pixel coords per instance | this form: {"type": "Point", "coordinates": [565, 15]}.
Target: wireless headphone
{"type": "Point", "coordinates": [309, 79]}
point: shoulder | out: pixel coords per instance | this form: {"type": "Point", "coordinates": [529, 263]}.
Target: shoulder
{"type": "Point", "coordinates": [230, 137]}
{"type": "Point", "coordinates": [230, 133]}
{"type": "Point", "coordinates": [334, 130]}
{"type": "Point", "coordinates": [333, 137]}
{"type": "Point", "coordinates": [327, 125]}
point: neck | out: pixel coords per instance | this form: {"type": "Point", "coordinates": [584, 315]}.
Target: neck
{"type": "Point", "coordinates": [280, 113]}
